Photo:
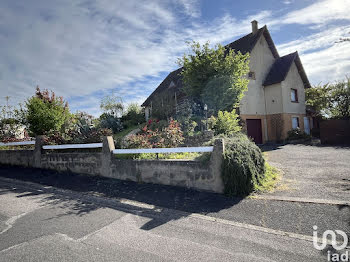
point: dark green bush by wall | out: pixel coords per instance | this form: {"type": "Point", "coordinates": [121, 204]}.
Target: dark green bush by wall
{"type": "Point", "coordinates": [243, 166]}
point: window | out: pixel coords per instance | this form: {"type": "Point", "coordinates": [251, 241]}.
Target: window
{"type": "Point", "coordinates": [295, 122]}
{"type": "Point", "coordinates": [294, 95]}
{"type": "Point", "coordinates": [251, 75]}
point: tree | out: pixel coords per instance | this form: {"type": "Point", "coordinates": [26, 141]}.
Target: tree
{"type": "Point", "coordinates": [45, 113]}
{"type": "Point", "coordinates": [113, 108]}
{"type": "Point", "coordinates": [318, 98]}
{"type": "Point", "coordinates": [216, 75]}
{"type": "Point", "coordinates": [340, 100]}
{"type": "Point", "coordinates": [112, 105]}
{"type": "Point", "coordinates": [330, 100]}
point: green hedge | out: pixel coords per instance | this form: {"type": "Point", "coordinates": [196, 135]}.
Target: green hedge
{"type": "Point", "coordinates": [243, 168]}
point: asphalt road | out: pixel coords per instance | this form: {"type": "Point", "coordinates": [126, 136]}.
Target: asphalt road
{"type": "Point", "coordinates": [38, 223]}
{"type": "Point", "coordinates": [320, 172]}
{"type": "Point", "coordinates": [286, 216]}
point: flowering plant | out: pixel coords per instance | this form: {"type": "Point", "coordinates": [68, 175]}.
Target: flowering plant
{"type": "Point", "coordinates": [169, 136]}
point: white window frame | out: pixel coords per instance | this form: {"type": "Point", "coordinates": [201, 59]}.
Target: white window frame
{"type": "Point", "coordinates": [298, 123]}
{"type": "Point", "coordinates": [294, 92]}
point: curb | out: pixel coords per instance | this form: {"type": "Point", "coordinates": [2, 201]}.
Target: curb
{"type": "Point", "coordinates": [303, 200]}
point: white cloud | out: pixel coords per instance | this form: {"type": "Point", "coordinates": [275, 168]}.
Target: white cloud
{"type": "Point", "coordinates": [190, 7]}
{"type": "Point", "coordinates": [320, 12]}
{"type": "Point", "coordinates": [86, 48]}
{"type": "Point", "coordinates": [78, 49]}
{"type": "Point", "coordinates": [315, 42]}
{"type": "Point", "coordinates": [329, 64]}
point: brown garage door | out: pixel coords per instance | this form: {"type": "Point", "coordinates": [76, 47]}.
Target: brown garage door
{"type": "Point", "coordinates": [254, 130]}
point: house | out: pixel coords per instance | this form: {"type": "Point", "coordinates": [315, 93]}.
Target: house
{"type": "Point", "coordinates": [275, 100]}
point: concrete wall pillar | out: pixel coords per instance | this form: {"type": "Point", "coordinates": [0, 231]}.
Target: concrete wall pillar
{"type": "Point", "coordinates": [106, 157]}
{"type": "Point", "coordinates": [39, 142]}
{"type": "Point", "coordinates": [216, 160]}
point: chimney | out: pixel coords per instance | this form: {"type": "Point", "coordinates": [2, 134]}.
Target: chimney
{"type": "Point", "coordinates": [254, 26]}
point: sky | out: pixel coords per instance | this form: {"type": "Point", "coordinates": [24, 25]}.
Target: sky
{"type": "Point", "coordinates": [84, 50]}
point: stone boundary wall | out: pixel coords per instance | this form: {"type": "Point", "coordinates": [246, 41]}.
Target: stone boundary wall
{"type": "Point", "coordinates": [184, 173]}
{"type": "Point", "coordinates": [84, 163]}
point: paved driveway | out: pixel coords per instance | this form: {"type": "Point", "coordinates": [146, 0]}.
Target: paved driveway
{"type": "Point", "coordinates": [312, 171]}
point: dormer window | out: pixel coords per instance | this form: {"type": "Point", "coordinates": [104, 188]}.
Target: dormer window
{"type": "Point", "coordinates": [251, 75]}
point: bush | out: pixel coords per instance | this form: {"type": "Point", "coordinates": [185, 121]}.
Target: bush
{"type": "Point", "coordinates": [169, 136]}
{"type": "Point", "coordinates": [110, 121]}
{"type": "Point", "coordinates": [188, 125]}
{"type": "Point", "coordinates": [11, 129]}
{"type": "Point", "coordinates": [54, 138]}
{"type": "Point", "coordinates": [226, 123]}
{"type": "Point", "coordinates": [154, 125]}
{"type": "Point", "coordinates": [94, 135]}
{"type": "Point", "coordinates": [134, 116]}
{"type": "Point", "coordinates": [243, 167]}
{"type": "Point", "coordinates": [45, 113]}
{"type": "Point", "coordinates": [297, 134]}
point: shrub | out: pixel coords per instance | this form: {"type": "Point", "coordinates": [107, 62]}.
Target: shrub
{"type": "Point", "coordinates": [296, 134]}
{"type": "Point", "coordinates": [226, 123]}
{"type": "Point", "coordinates": [134, 116]}
{"type": "Point", "coordinates": [138, 141]}
{"type": "Point", "coordinates": [110, 121]}
{"type": "Point", "coordinates": [243, 167]}
{"type": "Point", "coordinates": [169, 136]}
{"type": "Point", "coordinates": [172, 134]}
{"type": "Point", "coordinates": [155, 124]}
{"type": "Point", "coordinates": [93, 135]}
{"type": "Point", "coordinates": [54, 138]}
{"type": "Point", "coordinates": [188, 125]}
{"type": "Point", "coordinates": [11, 129]}
{"type": "Point", "coordinates": [45, 113]}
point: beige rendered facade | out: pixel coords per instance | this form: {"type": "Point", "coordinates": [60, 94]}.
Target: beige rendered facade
{"type": "Point", "coordinates": [272, 105]}
{"type": "Point", "coordinates": [274, 102]}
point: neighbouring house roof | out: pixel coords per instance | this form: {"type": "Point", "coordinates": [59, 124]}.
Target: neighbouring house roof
{"type": "Point", "coordinates": [174, 77]}
{"type": "Point", "coordinates": [280, 69]}
{"type": "Point", "coordinates": [244, 45]}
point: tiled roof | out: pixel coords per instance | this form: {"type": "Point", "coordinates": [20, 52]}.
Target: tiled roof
{"type": "Point", "coordinates": [280, 69]}
{"type": "Point", "coordinates": [174, 77]}
{"type": "Point", "coordinates": [245, 44]}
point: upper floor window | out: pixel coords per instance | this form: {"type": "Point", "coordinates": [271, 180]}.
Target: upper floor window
{"type": "Point", "coordinates": [251, 75]}
{"type": "Point", "coordinates": [294, 95]}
